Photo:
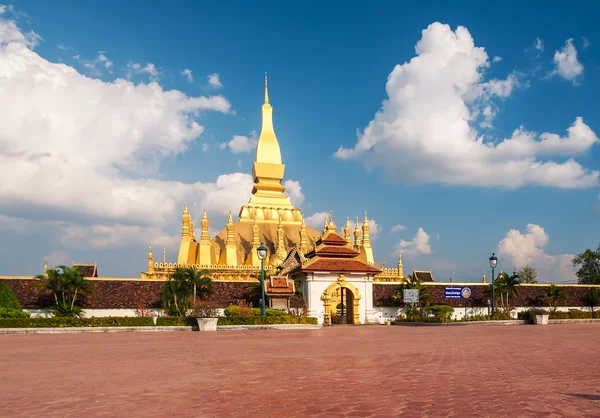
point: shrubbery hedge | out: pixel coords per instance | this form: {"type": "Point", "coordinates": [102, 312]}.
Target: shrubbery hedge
{"type": "Point", "coordinates": [110, 321]}
{"type": "Point", "coordinates": [266, 320]}
{"type": "Point", "coordinates": [529, 315]}
{"type": "Point", "coordinates": [13, 313]}
{"type": "Point", "coordinates": [237, 310]}
{"type": "Point", "coordinates": [175, 321]}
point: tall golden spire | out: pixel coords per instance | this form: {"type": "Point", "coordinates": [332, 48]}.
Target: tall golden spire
{"type": "Point", "coordinates": [45, 266]}
{"type": "Point", "coordinates": [303, 243]}
{"type": "Point", "coordinates": [266, 89]}
{"type": "Point", "coordinates": [347, 232]}
{"type": "Point", "coordinates": [230, 246]}
{"type": "Point", "coordinates": [150, 259]}
{"type": "Point", "coordinates": [400, 266]}
{"type": "Point", "coordinates": [357, 243]}
{"type": "Point", "coordinates": [331, 226]}
{"type": "Point", "coordinates": [204, 251]}
{"type": "Point", "coordinates": [366, 241]}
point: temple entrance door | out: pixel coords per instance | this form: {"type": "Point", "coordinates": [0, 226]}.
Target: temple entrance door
{"type": "Point", "coordinates": [350, 306]}
{"type": "Point", "coordinates": [341, 301]}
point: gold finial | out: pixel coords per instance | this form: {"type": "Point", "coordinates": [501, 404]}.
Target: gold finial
{"type": "Point", "coordinates": [149, 249]}
{"type": "Point", "coordinates": [483, 280]}
{"type": "Point", "coordinates": [230, 220]}
{"type": "Point", "coordinates": [165, 255]}
{"type": "Point", "coordinates": [204, 215]}
{"type": "Point", "coordinates": [266, 89]}
{"type": "Point", "coordinates": [366, 220]}
{"type": "Point", "coordinates": [185, 208]}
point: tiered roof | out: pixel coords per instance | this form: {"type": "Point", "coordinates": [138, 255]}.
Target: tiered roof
{"type": "Point", "coordinates": [333, 253]}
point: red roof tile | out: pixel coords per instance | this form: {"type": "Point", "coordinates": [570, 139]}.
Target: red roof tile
{"type": "Point", "coordinates": [341, 265]}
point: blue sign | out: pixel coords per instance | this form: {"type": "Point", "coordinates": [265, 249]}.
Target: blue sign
{"type": "Point", "coordinates": [456, 292]}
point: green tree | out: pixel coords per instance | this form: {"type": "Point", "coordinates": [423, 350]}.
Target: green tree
{"type": "Point", "coordinates": [591, 298]}
{"type": "Point", "coordinates": [506, 286]}
{"type": "Point", "coordinates": [201, 283]}
{"type": "Point", "coordinates": [179, 293]}
{"type": "Point", "coordinates": [69, 289]}
{"type": "Point", "coordinates": [528, 275]}
{"type": "Point", "coordinates": [555, 296]}
{"type": "Point", "coordinates": [589, 266]}
{"type": "Point", "coordinates": [8, 299]}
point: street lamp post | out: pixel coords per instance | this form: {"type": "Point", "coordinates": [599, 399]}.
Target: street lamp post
{"type": "Point", "coordinates": [262, 255]}
{"type": "Point", "coordinates": [493, 263]}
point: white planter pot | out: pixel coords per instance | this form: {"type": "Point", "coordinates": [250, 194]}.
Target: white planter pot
{"type": "Point", "coordinates": [207, 324]}
{"type": "Point", "coordinates": [541, 319]}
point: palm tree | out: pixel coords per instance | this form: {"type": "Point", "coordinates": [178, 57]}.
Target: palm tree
{"type": "Point", "coordinates": [201, 283]}
{"type": "Point", "coordinates": [179, 293]}
{"type": "Point", "coordinates": [555, 296]}
{"type": "Point", "coordinates": [68, 286]}
{"type": "Point", "coordinates": [591, 298]}
{"type": "Point", "coordinates": [506, 285]}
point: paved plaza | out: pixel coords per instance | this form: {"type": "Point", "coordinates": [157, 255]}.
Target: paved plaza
{"type": "Point", "coordinates": [346, 371]}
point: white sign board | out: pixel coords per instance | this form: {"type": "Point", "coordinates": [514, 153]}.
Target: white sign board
{"type": "Point", "coordinates": [411, 295]}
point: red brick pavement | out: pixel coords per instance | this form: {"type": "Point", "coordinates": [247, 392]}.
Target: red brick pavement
{"type": "Point", "coordinates": [370, 371]}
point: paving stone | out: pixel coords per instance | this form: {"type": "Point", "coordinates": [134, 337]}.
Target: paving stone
{"type": "Point", "coordinates": [368, 371]}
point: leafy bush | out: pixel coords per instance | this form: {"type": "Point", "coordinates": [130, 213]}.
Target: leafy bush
{"type": "Point", "coordinates": [241, 309]}
{"type": "Point", "coordinates": [175, 321]}
{"type": "Point", "coordinates": [266, 320]}
{"type": "Point", "coordinates": [75, 322]}
{"type": "Point", "coordinates": [8, 299]}
{"type": "Point", "coordinates": [13, 313]}
{"type": "Point", "coordinates": [441, 313]}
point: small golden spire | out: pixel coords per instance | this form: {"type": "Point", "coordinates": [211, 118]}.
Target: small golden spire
{"type": "Point", "coordinates": [347, 231]}
{"type": "Point", "coordinates": [45, 266]}
{"type": "Point", "coordinates": [230, 220]}
{"type": "Point", "coordinates": [150, 259]}
{"type": "Point", "coordinates": [165, 255]}
{"type": "Point", "coordinates": [204, 214]}
{"type": "Point", "coordinates": [356, 234]}
{"type": "Point", "coordinates": [185, 208]}
{"type": "Point", "coordinates": [266, 89]}
{"type": "Point", "coordinates": [483, 280]}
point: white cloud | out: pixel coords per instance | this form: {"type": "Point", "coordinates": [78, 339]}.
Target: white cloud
{"type": "Point", "coordinates": [293, 190]}
{"type": "Point", "coordinates": [241, 143]}
{"type": "Point", "coordinates": [497, 59]}
{"type": "Point", "coordinates": [97, 143]}
{"type": "Point", "coordinates": [108, 64]}
{"type": "Point", "coordinates": [418, 245]}
{"type": "Point", "coordinates": [428, 120]}
{"type": "Point", "coordinates": [11, 33]}
{"type": "Point", "coordinates": [528, 248]}
{"type": "Point", "coordinates": [316, 220]}
{"type": "Point", "coordinates": [213, 81]}
{"type": "Point", "coordinates": [222, 145]}
{"type": "Point", "coordinates": [538, 45]}
{"type": "Point", "coordinates": [187, 73]}
{"type": "Point", "coordinates": [566, 63]}
{"type": "Point", "coordinates": [118, 235]}
{"type": "Point", "coordinates": [397, 228]}
{"type": "Point", "coordinates": [135, 68]}
{"type": "Point", "coordinates": [205, 147]}
{"type": "Point", "coordinates": [586, 43]}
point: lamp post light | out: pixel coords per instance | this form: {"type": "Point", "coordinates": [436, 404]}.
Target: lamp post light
{"type": "Point", "coordinates": [493, 263]}
{"type": "Point", "coordinates": [262, 255]}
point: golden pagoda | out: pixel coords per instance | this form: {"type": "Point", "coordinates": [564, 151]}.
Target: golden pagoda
{"type": "Point", "coordinates": [268, 218]}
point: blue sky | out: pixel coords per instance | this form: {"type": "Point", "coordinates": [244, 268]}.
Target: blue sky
{"type": "Point", "coordinates": [328, 64]}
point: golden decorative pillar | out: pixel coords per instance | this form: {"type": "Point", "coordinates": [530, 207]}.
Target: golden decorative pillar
{"type": "Point", "coordinates": [280, 251]}
{"type": "Point", "coordinates": [204, 247]}
{"type": "Point", "coordinates": [357, 243]}
{"type": "Point", "coordinates": [347, 231]}
{"type": "Point", "coordinates": [230, 247]}
{"type": "Point", "coordinates": [186, 255]}
{"type": "Point", "coordinates": [165, 256]}
{"type": "Point", "coordinates": [303, 242]}
{"type": "Point", "coordinates": [254, 260]}
{"type": "Point", "coordinates": [331, 226]}
{"type": "Point", "coordinates": [483, 280]}
{"type": "Point", "coordinates": [366, 241]}
{"type": "Point", "coordinates": [400, 266]}
{"type": "Point", "coordinates": [150, 260]}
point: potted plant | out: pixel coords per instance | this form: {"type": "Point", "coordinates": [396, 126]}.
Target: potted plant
{"type": "Point", "coordinates": [540, 316]}
{"type": "Point", "coordinates": [206, 315]}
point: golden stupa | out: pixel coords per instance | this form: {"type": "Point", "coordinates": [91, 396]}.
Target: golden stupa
{"type": "Point", "coordinates": [268, 218]}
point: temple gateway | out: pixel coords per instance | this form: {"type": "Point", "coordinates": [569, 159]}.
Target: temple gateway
{"type": "Point", "coordinates": [335, 269]}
